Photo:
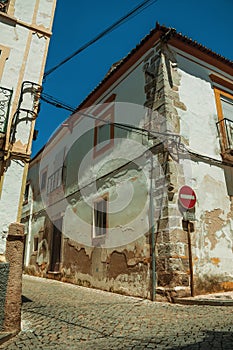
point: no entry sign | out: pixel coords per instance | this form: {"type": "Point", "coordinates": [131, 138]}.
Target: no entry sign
{"type": "Point", "coordinates": [187, 197]}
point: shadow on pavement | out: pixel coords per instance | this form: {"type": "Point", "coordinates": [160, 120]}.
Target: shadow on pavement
{"type": "Point", "coordinates": [25, 299]}
{"type": "Point", "coordinates": [213, 340]}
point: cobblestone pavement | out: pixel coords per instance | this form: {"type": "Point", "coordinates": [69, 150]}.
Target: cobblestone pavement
{"type": "Point", "coordinates": [63, 316]}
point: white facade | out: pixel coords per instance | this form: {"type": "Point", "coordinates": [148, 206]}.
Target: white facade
{"type": "Point", "coordinates": [25, 27]}
{"type": "Point", "coordinates": [167, 97]}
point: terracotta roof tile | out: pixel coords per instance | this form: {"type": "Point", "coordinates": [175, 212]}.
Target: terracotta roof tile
{"type": "Point", "coordinates": [166, 34]}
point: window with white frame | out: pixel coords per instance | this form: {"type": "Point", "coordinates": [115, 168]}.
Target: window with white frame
{"type": "Point", "coordinates": [43, 179]}
{"type": "Point", "coordinates": [104, 126]}
{"type": "Point", "coordinates": [26, 193]}
{"type": "Point", "coordinates": [100, 217]}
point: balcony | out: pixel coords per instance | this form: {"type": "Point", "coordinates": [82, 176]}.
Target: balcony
{"type": "Point", "coordinates": [55, 180]}
{"type": "Point", "coordinates": [5, 100]}
{"type": "Point", "coordinates": [4, 5]}
{"type": "Point", "coordinates": [225, 132]}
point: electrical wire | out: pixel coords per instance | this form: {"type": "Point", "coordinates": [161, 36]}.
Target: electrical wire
{"type": "Point", "coordinates": [58, 104]}
{"type": "Point", "coordinates": [141, 131]}
{"type": "Point", "coordinates": [184, 154]}
{"type": "Point", "coordinates": [138, 9]}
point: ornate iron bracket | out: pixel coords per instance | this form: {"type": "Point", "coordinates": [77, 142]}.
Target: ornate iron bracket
{"type": "Point", "coordinates": [24, 112]}
{"type": "Point", "coordinates": [5, 100]}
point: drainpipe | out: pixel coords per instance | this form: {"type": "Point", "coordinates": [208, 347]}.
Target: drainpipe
{"type": "Point", "coordinates": [153, 257]}
{"type": "Point", "coordinates": [190, 259]}
{"type": "Point", "coordinates": [29, 237]}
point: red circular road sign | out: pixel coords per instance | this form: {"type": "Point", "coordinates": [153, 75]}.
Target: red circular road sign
{"type": "Point", "coordinates": [187, 197]}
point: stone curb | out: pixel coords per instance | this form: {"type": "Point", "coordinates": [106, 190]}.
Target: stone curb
{"type": "Point", "coordinates": [209, 302]}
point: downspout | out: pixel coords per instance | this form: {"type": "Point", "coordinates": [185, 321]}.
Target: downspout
{"type": "Point", "coordinates": [152, 229]}
{"type": "Point", "coordinates": [29, 229]}
{"type": "Point", "coordinates": [190, 259]}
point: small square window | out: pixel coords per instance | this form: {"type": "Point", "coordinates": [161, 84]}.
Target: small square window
{"type": "Point", "coordinates": [103, 133]}
{"type": "Point", "coordinates": [104, 126]}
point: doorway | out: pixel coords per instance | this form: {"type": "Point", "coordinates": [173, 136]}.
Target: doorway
{"type": "Point", "coordinates": [56, 246]}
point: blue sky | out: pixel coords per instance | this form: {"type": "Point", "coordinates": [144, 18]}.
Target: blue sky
{"type": "Point", "coordinates": [76, 22]}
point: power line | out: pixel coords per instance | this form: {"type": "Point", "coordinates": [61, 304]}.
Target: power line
{"type": "Point", "coordinates": [55, 102]}
{"type": "Point", "coordinates": [58, 104]}
{"type": "Point", "coordinates": [142, 6]}
{"type": "Point", "coordinates": [141, 131]}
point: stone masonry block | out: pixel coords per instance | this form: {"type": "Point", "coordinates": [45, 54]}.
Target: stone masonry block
{"type": "Point", "coordinates": [14, 256]}
{"type": "Point", "coordinates": [4, 272]}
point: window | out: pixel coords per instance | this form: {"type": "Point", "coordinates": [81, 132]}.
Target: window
{"type": "Point", "coordinates": [104, 128]}
{"type": "Point", "coordinates": [4, 5]}
{"type": "Point", "coordinates": [43, 180]}
{"type": "Point", "coordinates": [100, 217]}
{"type": "Point", "coordinates": [103, 133]}
{"type": "Point", "coordinates": [26, 193]}
{"type": "Point", "coordinates": [224, 103]}
{"type": "Point", "coordinates": [35, 244]}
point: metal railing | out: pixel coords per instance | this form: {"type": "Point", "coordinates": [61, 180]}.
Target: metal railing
{"type": "Point", "coordinates": [5, 100]}
{"type": "Point", "coordinates": [54, 180]}
{"type": "Point", "coordinates": [4, 5]}
{"type": "Point", "coordinates": [225, 132]}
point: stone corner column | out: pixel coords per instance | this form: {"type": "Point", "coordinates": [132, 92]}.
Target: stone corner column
{"type": "Point", "coordinates": [14, 256]}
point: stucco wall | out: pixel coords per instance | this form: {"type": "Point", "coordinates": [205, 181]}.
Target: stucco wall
{"type": "Point", "coordinates": [26, 61]}
{"type": "Point", "coordinates": [212, 238]}
{"type": "Point", "coordinates": [180, 95]}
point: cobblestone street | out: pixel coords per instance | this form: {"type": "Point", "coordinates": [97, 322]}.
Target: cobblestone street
{"type": "Point", "coordinates": [63, 316]}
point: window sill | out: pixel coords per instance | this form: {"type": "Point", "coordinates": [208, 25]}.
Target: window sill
{"type": "Point", "coordinates": [98, 241]}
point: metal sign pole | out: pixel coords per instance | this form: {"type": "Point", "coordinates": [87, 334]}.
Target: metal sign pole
{"type": "Point", "coordinates": [190, 259]}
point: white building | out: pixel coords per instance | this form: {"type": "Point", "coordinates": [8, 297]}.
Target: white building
{"type": "Point", "coordinates": [25, 31]}
{"type": "Point", "coordinates": [105, 205]}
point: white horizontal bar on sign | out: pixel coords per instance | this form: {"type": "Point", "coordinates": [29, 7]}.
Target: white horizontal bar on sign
{"type": "Point", "coordinates": [187, 196]}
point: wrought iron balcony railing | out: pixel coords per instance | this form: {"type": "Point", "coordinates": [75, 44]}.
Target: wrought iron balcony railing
{"type": "Point", "coordinates": [225, 132]}
{"type": "Point", "coordinates": [5, 100]}
{"type": "Point", "coordinates": [4, 5]}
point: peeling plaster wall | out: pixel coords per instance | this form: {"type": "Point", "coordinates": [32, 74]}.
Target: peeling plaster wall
{"type": "Point", "coordinates": [124, 270]}
{"type": "Point", "coordinates": [123, 263]}
{"type": "Point", "coordinates": [180, 95]}
{"type": "Point", "coordinates": [212, 239]}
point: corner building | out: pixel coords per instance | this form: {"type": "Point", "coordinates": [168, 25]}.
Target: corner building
{"type": "Point", "coordinates": [103, 206]}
